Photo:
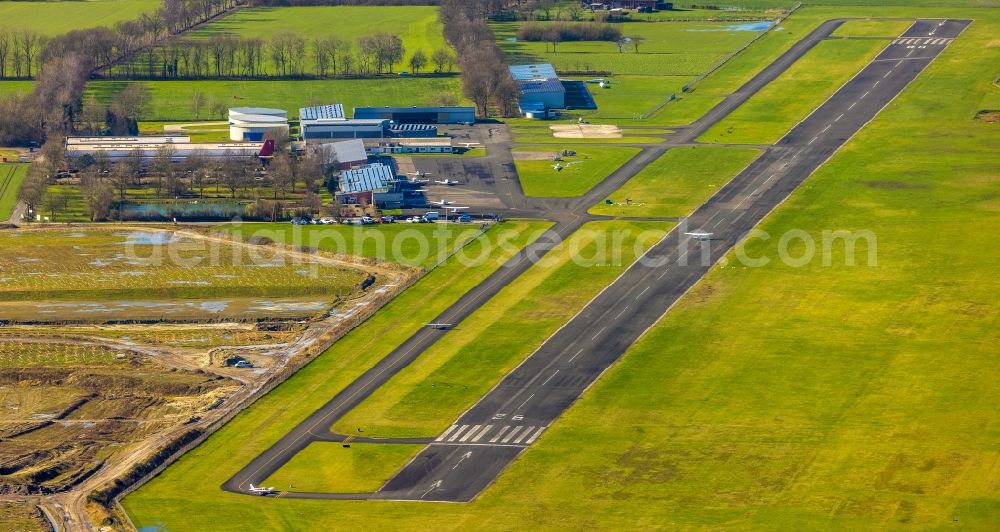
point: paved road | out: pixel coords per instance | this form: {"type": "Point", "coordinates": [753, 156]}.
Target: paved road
{"type": "Point", "coordinates": [465, 459]}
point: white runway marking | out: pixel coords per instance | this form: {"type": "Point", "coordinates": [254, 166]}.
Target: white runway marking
{"type": "Point", "coordinates": [577, 354]}
{"type": "Point", "coordinates": [511, 434]}
{"type": "Point", "coordinates": [445, 435]}
{"type": "Point", "coordinates": [470, 433]}
{"type": "Point", "coordinates": [598, 333]}
{"type": "Point", "coordinates": [550, 378]}
{"type": "Point", "coordinates": [534, 437]}
{"type": "Point", "coordinates": [524, 434]}
{"type": "Point", "coordinates": [835, 120]}
{"type": "Point", "coordinates": [826, 128]}
{"type": "Point", "coordinates": [643, 292]}
{"type": "Point", "coordinates": [499, 434]}
{"type": "Point", "coordinates": [852, 106]}
{"type": "Point", "coordinates": [525, 401]}
{"type": "Point", "coordinates": [482, 433]}
{"type": "Point", "coordinates": [876, 83]}
{"type": "Point", "coordinates": [887, 74]}
{"type": "Point", "coordinates": [457, 433]}
{"type": "Point", "coordinates": [811, 141]}
{"type": "Point", "coordinates": [661, 275]}
{"type": "Point", "coordinates": [622, 312]}
{"type": "Point", "coordinates": [865, 94]}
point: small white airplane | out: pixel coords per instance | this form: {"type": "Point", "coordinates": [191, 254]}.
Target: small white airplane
{"type": "Point", "coordinates": [439, 326]}
{"type": "Point", "coordinates": [261, 491]}
{"type": "Point", "coordinates": [447, 182]}
{"type": "Point", "coordinates": [455, 208]}
{"type": "Point", "coordinates": [700, 236]}
{"type": "Point", "coordinates": [421, 190]}
{"type": "Point", "coordinates": [442, 202]}
{"type": "Point", "coordinates": [596, 80]}
{"type": "Point", "coordinates": [558, 167]}
{"type": "Point", "coordinates": [418, 173]}
{"type": "Point", "coordinates": [470, 145]}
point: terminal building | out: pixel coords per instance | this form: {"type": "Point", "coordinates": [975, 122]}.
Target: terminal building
{"type": "Point", "coordinates": [419, 115]}
{"type": "Point", "coordinates": [248, 124]}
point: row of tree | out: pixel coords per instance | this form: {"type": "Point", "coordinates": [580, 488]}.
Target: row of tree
{"type": "Point", "coordinates": [283, 55]}
{"type": "Point", "coordinates": [563, 32]}
{"type": "Point", "coordinates": [486, 79]}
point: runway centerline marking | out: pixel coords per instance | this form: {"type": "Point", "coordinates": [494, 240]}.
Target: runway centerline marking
{"type": "Point", "coordinates": [622, 312]}
{"type": "Point", "coordinates": [550, 378]}
{"type": "Point", "coordinates": [525, 402]}
{"type": "Point", "coordinates": [576, 355]}
{"type": "Point", "coordinates": [598, 333]}
{"type": "Point", "coordinates": [825, 129]}
{"type": "Point", "coordinates": [810, 144]}
{"type": "Point", "coordinates": [835, 120]}
{"type": "Point", "coordinates": [644, 290]}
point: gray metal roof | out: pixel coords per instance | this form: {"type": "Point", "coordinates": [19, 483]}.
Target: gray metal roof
{"type": "Point", "coordinates": [541, 85]}
{"type": "Point", "coordinates": [528, 72]}
{"type": "Point", "coordinates": [374, 177]}
{"type": "Point", "coordinates": [329, 112]}
{"type": "Point", "coordinates": [348, 151]}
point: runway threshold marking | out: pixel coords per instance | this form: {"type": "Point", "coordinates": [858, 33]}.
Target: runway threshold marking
{"type": "Point", "coordinates": [524, 434]}
{"type": "Point", "coordinates": [482, 433]}
{"type": "Point", "coordinates": [500, 434]}
{"type": "Point", "coordinates": [534, 437]}
{"type": "Point", "coordinates": [470, 433]}
{"type": "Point", "coordinates": [445, 435]}
{"type": "Point", "coordinates": [511, 434]}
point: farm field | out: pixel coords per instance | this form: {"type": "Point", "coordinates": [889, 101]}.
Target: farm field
{"type": "Point", "coordinates": [202, 336]}
{"type": "Point", "coordinates": [68, 406]}
{"type": "Point", "coordinates": [418, 26]}
{"type": "Point", "coordinates": [11, 177]}
{"type": "Point", "coordinates": [678, 182]}
{"type": "Point", "coordinates": [798, 91]}
{"type": "Point", "coordinates": [668, 49]}
{"type": "Point", "coordinates": [56, 17]}
{"type": "Point", "coordinates": [430, 393]}
{"type": "Point", "coordinates": [171, 100]}
{"type": "Point", "coordinates": [146, 264]}
{"type": "Point", "coordinates": [418, 245]}
{"type": "Point", "coordinates": [592, 164]}
{"type": "Point", "coordinates": [331, 468]}
{"type": "Point", "coordinates": [877, 411]}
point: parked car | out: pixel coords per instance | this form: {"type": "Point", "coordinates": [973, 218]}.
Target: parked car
{"type": "Point", "coordinates": [327, 221]}
{"type": "Point", "coordinates": [299, 221]}
{"type": "Point", "coordinates": [464, 218]}
{"type": "Point", "coordinates": [386, 220]}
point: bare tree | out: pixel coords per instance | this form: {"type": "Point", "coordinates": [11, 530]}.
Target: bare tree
{"type": "Point", "coordinates": [197, 102]}
{"type": "Point", "coordinates": [636, 41]}
{"type": "Point", "coordinates": [4, 51]}
{"type": "Point", "coordinates": [418, 60]}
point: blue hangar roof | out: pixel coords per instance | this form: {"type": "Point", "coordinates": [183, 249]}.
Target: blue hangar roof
{"type": "Point", "coordinates": [529, 72]}
{"type": "Point", "coordinates": [536, 86]}
{"type": "Point", "coordinates": [328, 112]}
{"type": "Point", "coordinates": [374, 177]}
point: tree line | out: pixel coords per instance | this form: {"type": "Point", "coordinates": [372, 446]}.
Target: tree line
{"type": "Point", "coordinates": [486, 80]}
{"type": "Point", "coordinates": [562, 32]}
{"type": "Point", "coordinates": [282, 55]}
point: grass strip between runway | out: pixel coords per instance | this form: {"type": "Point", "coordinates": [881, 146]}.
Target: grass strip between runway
{"type": "Point", "coordinates": [331, 467]}
{"type": "Point", "coordinates": [447, 379]}
{"type": "Point", "coordinates": [678, 182]}
{"type": "Point", "coordinates": [773, 111]}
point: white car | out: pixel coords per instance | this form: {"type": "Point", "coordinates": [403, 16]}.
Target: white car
{"type": "Point", "coordinates": [327, 221]}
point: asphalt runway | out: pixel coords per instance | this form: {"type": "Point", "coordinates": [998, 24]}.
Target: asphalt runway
{"type": "Point", "coordinates": [459, 463]}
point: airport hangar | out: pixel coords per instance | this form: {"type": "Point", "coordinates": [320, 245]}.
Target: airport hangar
{"type": "Point", "coordinates": [542, 91]}
{"type": "Point", "coordinates": [249, 124]}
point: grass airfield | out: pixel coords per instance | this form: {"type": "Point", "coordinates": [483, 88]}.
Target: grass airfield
{"type": "Point", "coordinates": [775, 397]}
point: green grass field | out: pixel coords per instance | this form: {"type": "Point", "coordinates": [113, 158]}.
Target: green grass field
{"type": "Point", "coordinates": [10, 87]}
{"type": "Point", "coordinates": [11, 177]}
{"type": "Point", "coordinates": [418, 26]}
{"type": "Point", "coordinates": [331, 468]}
{"type": "Point", "coordinates": [433, 391]}
{"type": "Point", "coordinates": [539, 178]}
{"type": "Point", "coordinates": [678, 182]}
{"type": "Point", "coordinates": [669, 49]}
{"type": "Point", "coordinates": [419, 245]}
{"type": "Point", "coordinates": [171, 100]}
{"type": "Point", "coordinates": [772, 112]}
{"type": "Point", "coordinates": [56, 18]}
{"type": "Point", "coordinates": [815, 398]}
